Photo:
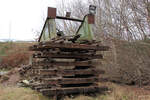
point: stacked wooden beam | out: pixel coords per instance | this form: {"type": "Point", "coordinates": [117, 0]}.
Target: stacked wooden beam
{"type": "Point", "coordinates": [66, 68]}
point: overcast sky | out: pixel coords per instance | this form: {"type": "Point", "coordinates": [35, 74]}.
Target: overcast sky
{"type": "Point", "coordinates": [22, 17]}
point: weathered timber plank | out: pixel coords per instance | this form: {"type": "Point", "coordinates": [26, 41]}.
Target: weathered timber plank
{"type": "Point", "coordinates": [68, 46]}
{"type": "Point", "coordinates": [59, 91]}
{"type": "Point", "coordinates": [52, 55]}
{"type": "Point", "coordinates": [76, 63]}
{"type": "Point", "coordinates": [72, 72]}
{"type": "Point", "coordinates": [70, 80]}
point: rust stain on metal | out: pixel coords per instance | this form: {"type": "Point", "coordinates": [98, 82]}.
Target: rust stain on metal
{"type": "Point", "coordinates": [91, 19]}
{"type": "Point", "coordinates": [51, 12]}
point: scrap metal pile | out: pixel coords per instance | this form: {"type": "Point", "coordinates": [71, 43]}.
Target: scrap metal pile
{"type": "Point", "coordinates": [64, 65]}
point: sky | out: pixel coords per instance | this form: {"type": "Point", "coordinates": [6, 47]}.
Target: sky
{"type": "Point", "coordinates": [20, 19]}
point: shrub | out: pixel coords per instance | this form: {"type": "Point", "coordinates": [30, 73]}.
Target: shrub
{"type": "Point", "coordinates": [15, 59]}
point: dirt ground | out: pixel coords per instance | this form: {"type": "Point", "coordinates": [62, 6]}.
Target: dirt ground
{"type": "Point", "coordinates": [11, 78]}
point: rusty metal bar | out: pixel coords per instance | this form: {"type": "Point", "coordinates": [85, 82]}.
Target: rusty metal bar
{"type": "Point", "coordinates": [51, 13]}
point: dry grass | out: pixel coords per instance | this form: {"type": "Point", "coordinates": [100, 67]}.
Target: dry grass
{"type": "Point", "coordinates": [128, 62]}
{"type": "Point", "coordinates": [118, 93]}
{"type": "Point", "coordinates": [15, 93]}
{"type": "Point", "coordinates": [14, 54]}
{"type": "Point", "coordinates": [124, 92]}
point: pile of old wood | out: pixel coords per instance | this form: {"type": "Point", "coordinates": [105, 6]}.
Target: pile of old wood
{"type": "Point", "coordinates": [64, 68]}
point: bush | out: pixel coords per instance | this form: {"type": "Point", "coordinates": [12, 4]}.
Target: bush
{"type": "Point", "coordinates": [128, 62]}
{"type": "Point", "coordinates": [14, 54]}
{"type": "Point", "coordinates": [15, 59]}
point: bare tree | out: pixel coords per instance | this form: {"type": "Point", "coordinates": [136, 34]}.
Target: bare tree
{"type": "Point", "coordinates": [121, 21]}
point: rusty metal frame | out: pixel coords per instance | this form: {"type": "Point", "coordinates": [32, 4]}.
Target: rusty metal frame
{"type": "Point", "coordinates": [52, 15]}
{"type": "Point", "coordinates": [59, 17]}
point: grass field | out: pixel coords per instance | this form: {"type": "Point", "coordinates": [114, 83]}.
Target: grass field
{"type": "Point", "coordinates": [13, 54]}
{"type": "Point", "coordinates": [118, 92]}
{"type": "Point", "coordinates": [15, 93]}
